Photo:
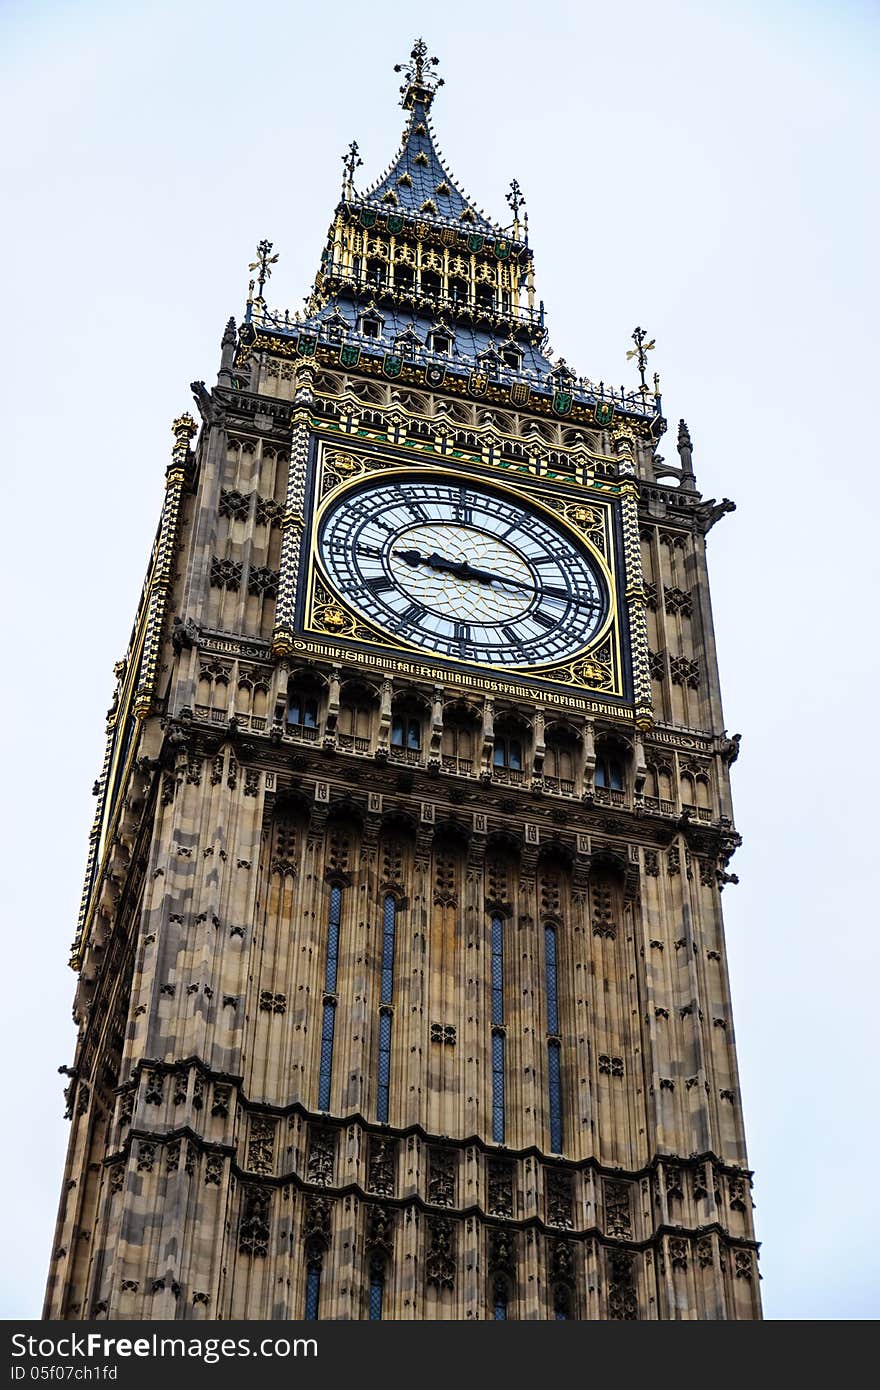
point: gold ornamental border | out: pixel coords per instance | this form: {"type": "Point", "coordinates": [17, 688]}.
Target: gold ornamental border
{"type": "Point", "coordinates": [582, 670]}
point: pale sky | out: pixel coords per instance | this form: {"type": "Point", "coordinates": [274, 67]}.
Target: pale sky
{"type": "Point", "coordinates": [707, 172]}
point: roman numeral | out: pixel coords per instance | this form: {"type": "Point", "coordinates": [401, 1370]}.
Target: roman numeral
{"type": "Point", "coordinates": [543, 620]}
{"type": "Point", "coordinates": [379, 584]}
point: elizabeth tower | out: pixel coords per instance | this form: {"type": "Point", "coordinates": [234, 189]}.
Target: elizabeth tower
{"type": "Point", "coordinates": [402, 982]}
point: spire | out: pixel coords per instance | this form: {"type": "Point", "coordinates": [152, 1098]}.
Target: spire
{"type": "Point", "coordinates": [421, 81]}
{"type": "Point", "coordinates": [417, 181]}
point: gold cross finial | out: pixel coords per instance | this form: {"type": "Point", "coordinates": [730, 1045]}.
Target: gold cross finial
{"type": "Point", "coordinates": [640, 352]}
{"type": "Point", "coordinates": [263, 265]}
{"type": "Point", "coordinates": [351, 160]}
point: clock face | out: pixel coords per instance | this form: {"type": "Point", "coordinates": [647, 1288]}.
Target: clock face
{"type": "Point", "coordinates": [462, 571]}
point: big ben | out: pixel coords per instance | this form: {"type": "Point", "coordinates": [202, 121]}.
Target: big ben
{"type": "Point", "coordinates": [402, 989]}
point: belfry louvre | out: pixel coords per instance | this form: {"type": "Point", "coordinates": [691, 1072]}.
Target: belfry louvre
{"type": "Point", "coordinates": [402, 989]}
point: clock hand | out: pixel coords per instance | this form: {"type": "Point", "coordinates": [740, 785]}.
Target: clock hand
{"type": "Point", "coordinates": [464, 570]}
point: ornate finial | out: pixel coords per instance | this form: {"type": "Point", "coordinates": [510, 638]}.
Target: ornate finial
{"type": "Point", "coordinates": [421, 81]}
{"type": "Point", "coordinates": [229, 337]}
{"type": "Point", "coordinates": [640, 352]}
{"type": "Point", "coordinates": [351, 160]}
{"type": "Point", "coordinates": [684, 435]}
{"type": "Point", "coordinates": [184, 429]}
{"type": "Point", "coordinates": [515, 199]}
{"type": "Point", "coordinates": [263, 265]}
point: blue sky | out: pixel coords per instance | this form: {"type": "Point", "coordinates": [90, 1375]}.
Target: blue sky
{"type": "Point", "coordinates": [707, 172]}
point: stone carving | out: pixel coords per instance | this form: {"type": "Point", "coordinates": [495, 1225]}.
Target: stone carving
{"type": "Point", "coordinates": [235, 505]}
{"type": "Point", "coordinates": [683, 671]}
{"type": "Point", "coordinates": [673, 1182]}
{"type": "Point", "coordinates": [622, 1302]}
{"type": "Point", "coordinates": [263, 582]}
{"type": "Point", "coordinates": [743, 1265]}
{"type": "Point", "coordinates": [380, 1167]}
{"type": "Point", "coordinates": [272, 1003]}
{"type": "Point", "coordinates": [704, 1252]}
{"type": "Point", "coordinates": [440, 1262]}
{"type": "Point", "coordinates": [499, 1187]}
{"type": "Point", "coordinates": [146, 1157]}
{"type": "Point", "coordinates": [559, 1200]}
{"type": "Point", "coordinates": [322, 1154]}
{"type": "Point", "coordinates": [652, 863]}
{"type": "Point", "coordinates": [561, 1262]}
{"type": "Point", "coordinates": [316, 1228]}
{"type": "Point", "coordinates": [213, 1170]}
{"type": "Point", "coordinates": [172, 1156]}
{"type": "Point", "coordinates": [253, 1232]}
{"type": "Point", "coordinates": [736, 1191]}
{"type": "Point", "coordinates": [225, 574]}
{"type": "Point", "coordinates": [261, 1146]}
{"type": "Point", "coordinates": [221, 1097]}
{"type": "Point", "coordinates": [603, 924]}
{"type": "Point", "coordinates": [502, 1251]}
{"type": "Point", "coordinates": [380, 1226]}
{"type": "Point", "coordinates": [154, 1089]}
{"type": "Point", "coordinates": [678, 1254]}
{"type": "Point", "coordinates": [441, 1177]}
{"type": "Point", "coordinates": [610, 1066]}
{"type": "Point", "coordinates": [117, 1177]}
{"type": "Point", "coordinates": [443, 1033]}
{"type": "Point", "coordinates": [618, 1220]}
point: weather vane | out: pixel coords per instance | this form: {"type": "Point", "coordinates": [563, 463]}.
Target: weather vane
{"type": "Point", "coordinates": [351, 160]}
{"type": "Point", "coordinates": [263, 265]}
{"type": "Point", "coordinates": [640, 352]}
{"type": "Point", "coordinates": [418, 71]}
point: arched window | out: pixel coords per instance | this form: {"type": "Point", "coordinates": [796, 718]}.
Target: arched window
{"type": "Point", "coordinates": [609, 770]}
{"type": "Point", "coordinates": [328, 1020]}
{"type": "Point", "coordinates": [302, 710]}
{"type": "Point", "coordinates": [386, 996]}
{"type": "Point", "coordinates": [554, 1060]}
{"type": "Point", "coordinates": [377, 1288]}
{"type": "Point", "coordinates": [508, 752]}
{"type": "Point", "coordinates": [498, 1031]}
{"type": "Point", "coordinates": [406, 732]}
{"type": "Point", "coordinates": [500, 1300]}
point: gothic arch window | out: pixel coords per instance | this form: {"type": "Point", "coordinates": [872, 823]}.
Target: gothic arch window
{"type": "Point", "coordinates": [406, 732]}
{"type": "Point", "coordinates": [561, 759]}
{"type": "Point", "coordinates": [407, 728]}
{"type": "Point", "coordinates": [609, 771]}
{"type": "Point", "coordinates": [554, 1047]}
{"type": "Point", "coordinates": [509, 750]}
{"type": "Point", "coordinates": [304, 704]}
{"type": "Point", "coordinates": [498, 1028]}
{"type": "Point", "coordinates": [612, 760]}
{"type": "Point", "coordinates": [354, 723]}
{"type": "Point", "coordinates": [386, 1000]}
{"type": "Point", "coordinates": [377, 1288]}
{"type": "Point", "coordinates": [461, 737]}
{"type": "Point", "coordinates": [313, 1292]}
{"type": "Point", "coordinates": [328, 1016]}
{"type": "Point", "coordinates": [500, 1299]}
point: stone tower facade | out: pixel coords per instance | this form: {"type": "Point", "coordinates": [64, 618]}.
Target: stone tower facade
{"type": "Point", "coordinates": [402, 988]}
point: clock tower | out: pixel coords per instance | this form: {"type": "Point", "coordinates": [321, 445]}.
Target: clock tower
{"type": "Point", "coordinates": [402, 989]}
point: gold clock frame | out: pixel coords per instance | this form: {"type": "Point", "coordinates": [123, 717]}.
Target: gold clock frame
{"type": "Point", "coordinates": [588, 518]}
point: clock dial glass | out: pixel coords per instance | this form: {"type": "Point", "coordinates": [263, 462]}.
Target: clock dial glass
{"type": "Point", "coordinates": [463, 571]}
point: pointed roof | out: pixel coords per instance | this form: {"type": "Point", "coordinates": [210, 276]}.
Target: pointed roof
{"type": "Point", "coordinates": [417, 181]}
